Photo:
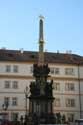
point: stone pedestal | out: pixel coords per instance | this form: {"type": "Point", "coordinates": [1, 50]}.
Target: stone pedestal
{"type": "Point", "coordinates": [41, 97]}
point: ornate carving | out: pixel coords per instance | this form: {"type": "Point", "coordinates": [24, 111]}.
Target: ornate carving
{"type": "Point", "coordinates": [40, 71]}
{"type": "Point", "coordinates": [34, 89]}
{"type": "Point", "coordinates": [49, 88]}
{"type": "Point", "coordinates": [41, 86]}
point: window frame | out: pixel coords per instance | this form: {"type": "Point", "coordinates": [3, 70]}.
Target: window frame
{"type": "Point", "coordinates": [69, 86]}
{"type": "Point", "coordinates": [14, 101]}
{"type": "Point", "coordinates": [8, 68]}
{"type": "Point", "coordinates": [69, 71]}
{"type": "Point", "coordinates": [70, 102]}
{"type": "Point", "coordinates": [15, 85]}
{"type": "Point", "coordinates": [54, 70]}
{"type": "Point", "coordinates": [70, 117]}
{"type": "Point", "coordinates": [15, 68]}
{"type": "Point", "coordinates": [57, 71]}
{"type": "Point", "coordinates": [7, 84]}
{"type": "Point", "coordinates": [56, 86]}
{"type": "Point", "coordinates": [57, 102]}
{"type": "Point", "coordinates": [6, 100]}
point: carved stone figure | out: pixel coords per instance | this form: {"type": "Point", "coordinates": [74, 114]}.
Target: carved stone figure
{"type": "Point", "coordinates": [41, 86]}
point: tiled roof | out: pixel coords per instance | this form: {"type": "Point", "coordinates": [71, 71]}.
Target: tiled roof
{"type": "Point", "coordinates": [31, 56]}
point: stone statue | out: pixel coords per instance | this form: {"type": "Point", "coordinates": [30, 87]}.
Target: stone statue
{"type": "Point", "coordinates": [41, 86]}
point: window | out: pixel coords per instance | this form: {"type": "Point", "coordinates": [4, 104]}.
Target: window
{"type": "Point", "coordinates": [15, 84]}
{"type": "Point", "coordinates": [56, 86]}
{"type": "Point", "coordinates": [6, 100]}
{"type": "Point", "coordinates": [54, 70]}
{"type": "Point", "coordinates": [8, 68]}
{"type": "Point", "coordinates": [57, 102]}
{"type": "Point", "coordinates": [70, 117]}
{"type": "Point", "coordinates": [69, 87]}
{"type": "Point", "coordinates": [15, 68]}
{"type": "Point", "coordinates": [70, 102]}
{"type": "Point", "coordinates": [7, 84]}
{"type": "Point", "coordinates": [14, 116]}
{"type": "Point", "coordinates": [14, 101]}
{"type": "Point", "coordinates": [69, 71]}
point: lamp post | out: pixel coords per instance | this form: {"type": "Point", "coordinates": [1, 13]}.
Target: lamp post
{"type": "Point", "coordinates": [26, 92]}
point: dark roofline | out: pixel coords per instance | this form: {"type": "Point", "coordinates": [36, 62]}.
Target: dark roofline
{"type": "Point", "coordinates": [32, 56]}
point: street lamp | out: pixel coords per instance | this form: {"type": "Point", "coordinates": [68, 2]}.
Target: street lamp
{"type": "Point", "coordinates": [26, 91]}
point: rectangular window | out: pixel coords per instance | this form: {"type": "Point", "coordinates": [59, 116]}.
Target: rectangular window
{"type": "Point", "coordinates": [52, 70]}
{"type": "Point", "coordinates": [70, 117]}
{"type": "Point", "coordinates": [15, 84]}
{"type": "Point", "coordinates": [69, 86]}
{"type": "Point", "coordinates": [69, 71]}
{"type": "Point", "coordinates": [57, 102]}
{"type": "Point", "coordinates": [56, 70]}
{"type": "Point", "coordinates": [7, 84]}
{"type": "Point", "coordinates": [56, 86]}
{"type": "Point", "coordinates": [14, 101]}
{"type": "Point", "coordinates": [6, 100]}
{"type": "Point", "coordinates": [15, 68]}
{"type": "Point", "coordinates": [8, 68]}
{"type": "Point", "coordinates": [70, 102]}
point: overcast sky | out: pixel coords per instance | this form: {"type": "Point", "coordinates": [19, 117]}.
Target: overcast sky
{"type": "Point", "coordinates": [63, 24]}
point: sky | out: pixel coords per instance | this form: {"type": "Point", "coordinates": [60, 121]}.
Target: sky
{"type": "Point", "coordinates": [63, 25]}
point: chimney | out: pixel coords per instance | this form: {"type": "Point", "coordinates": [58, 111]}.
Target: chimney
{"type": "Point", "coordinates": [21, 50]}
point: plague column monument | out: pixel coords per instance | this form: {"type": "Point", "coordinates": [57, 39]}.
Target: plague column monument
{"type": "Point", "coordinates": [41, 98]}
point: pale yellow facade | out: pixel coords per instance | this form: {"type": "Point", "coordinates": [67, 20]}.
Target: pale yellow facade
{"type": "Point", "coordinates": [67, 88]}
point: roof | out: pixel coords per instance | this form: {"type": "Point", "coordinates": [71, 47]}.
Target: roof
{"type": "Point", "coordinates": [32, 56]}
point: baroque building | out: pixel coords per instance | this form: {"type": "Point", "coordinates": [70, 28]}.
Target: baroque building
{"type": "Point", "coordinates": [16, 72]}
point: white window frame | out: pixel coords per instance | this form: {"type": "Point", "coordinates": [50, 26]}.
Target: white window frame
{"type": "Point", "coordinates": [7, 100]}
{"type": "Point", "coordinates": [56, 86]}
{"type": "Point", "coordinates": [15, 85]}
{"type": "Point", "coordinates": [69, 71]}
{"type": "Point", "coordinates": [56, 71]}
{"type": "Point", "coordinates": [70, 86]}
{"type": "Point", "coordinates": [57, 102]}
{"type": "Point", "coordinates": [7, 84]}
{"type": "Point", "coordinates": [14, 101]}
{"type": "Point", "coordinates": [8, 68]}
{"type": "Point", "coordinates": [70, 117]}
{"type": "Point", "coordinates": [70, 102]}
{"type": "Point", "coordinates": [52, 70]}
{"type": "Point", "coordinates": [15, 68]}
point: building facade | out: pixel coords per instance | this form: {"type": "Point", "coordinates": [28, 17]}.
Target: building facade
{"type": "Point", "coordinates": [16, 72]}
